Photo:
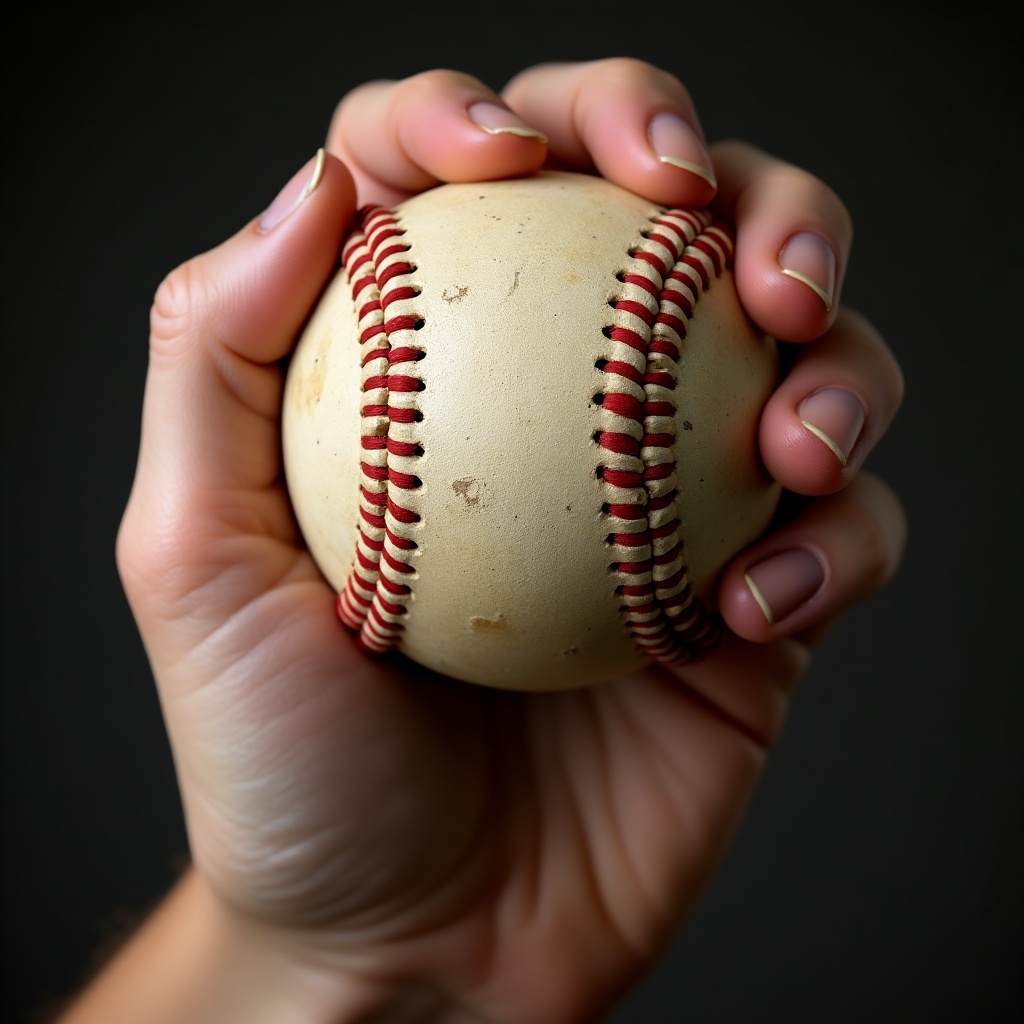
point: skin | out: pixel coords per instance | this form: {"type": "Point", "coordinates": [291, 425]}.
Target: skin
{"type": "Point", "coordinates": [373, 842]}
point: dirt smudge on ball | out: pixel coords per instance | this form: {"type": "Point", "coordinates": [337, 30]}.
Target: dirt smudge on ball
{"type": "Point", "coordinates": [468, 488]}
{"type": "Point", "coordinates": [483, 624]}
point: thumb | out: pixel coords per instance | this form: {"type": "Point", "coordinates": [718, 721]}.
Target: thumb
{"type": "Point", "coordinates": [251, 294]}
{"type": "Point", "coordinates": [209, 460]}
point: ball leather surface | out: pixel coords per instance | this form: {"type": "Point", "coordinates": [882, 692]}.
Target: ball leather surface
{"type": "Point", "coordinates": [510, 561]}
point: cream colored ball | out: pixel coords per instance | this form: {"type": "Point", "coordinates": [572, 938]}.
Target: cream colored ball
{"type": "Point", "coordinates": [520, 431]}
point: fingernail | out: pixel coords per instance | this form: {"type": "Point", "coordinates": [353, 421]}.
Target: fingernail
{"type": "Point", "coordinates": [836, 417]}
{"type": "Point", "coordinates": [499, 120]}
{"type": "Point", "coordinates": [676, 143]}
{"type": "Point", "coordinates": [782, 583]}
{"type": "Point", "coordinates": [292, 195]}
{"type": "Point", "coordinates": [808, 258]}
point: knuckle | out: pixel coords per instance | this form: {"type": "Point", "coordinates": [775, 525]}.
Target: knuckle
{"type": "Point", "coordinates": [876, 556]}
{"type": "Point", "coordinates": [820, 195]}
{"type": "Point", "coordinates": [778, 184]}
{"type": "Point", "coordinates": [875, 547]}
{"type": "Point", "coordinates": [127, 548]}
{"type": "Point", "coordinates": [636, 74]}
{"type": "Point", "coordinates": [138, 546]}
{"type": "Point", "coordinates": [881, 365]}
{"type": "Point", "coordinates": [155, 553]}
{"type": "Point", "coordinates": [336, 128]}
{"type": "Point", "coordinates": [390, 94]}
{"type": "Point", "coordinates": [439, 82]}
{"type": "Point", "coordinates": [899, 386]}
{"type": "Point", "coordinates": [179, 302]}
{"type": "Point", "coordinates": [837, 207]}
{"type": "Point", "coordinates": [136, 555]}
{"type": "Point", "coordinates": [825, 198]}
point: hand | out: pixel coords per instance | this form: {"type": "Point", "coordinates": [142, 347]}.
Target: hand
{"type": "Point", "coordinates": [367, 835]}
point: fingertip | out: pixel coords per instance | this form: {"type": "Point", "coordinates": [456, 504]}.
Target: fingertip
{"type": "Point", "coordinates": [838, 398]}
{"type": "Point", "coordinates": [687, 175]}
{"type": "Point", "coordinates": [788, 286]}
{"type": "Point", "coordinates": [322, 172]}
{"type": "Point", "coordinates": [793, 237]}
{"type": "Point", "coordinates": [659, 154]}
{"type": "Point", "coordinates": [402, 137]}
{"type": "Point", "coordinates": [810, 448]}
{"type": "Point", "coordinates": [265, 279]}
{"type": "Point", "coordinates": [299, 187]}
{"type": "Point", "coordinates": [810, 260]}
{"type": "Point", "coordinates": [480, 141]}
{"type": "Point", "coordinates": [764, 592]}
{"type": "Point", "coordinates": [631, 122]}
{"type": "Point", "coordinates": [496, 119]}
{"type": "Point", "coordinates": [840, 550]}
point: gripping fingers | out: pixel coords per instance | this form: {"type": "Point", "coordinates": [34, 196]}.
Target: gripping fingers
{"type": "Point", "coordinates": [399, 138]}
{"type": "Point", "coordinates": [838, 552]}
{"type": "Point", "coordinates": [793, 238]}
{"type": "Point", "coordinates": [834, 405]}
{"type": "Point", "coordinates": [633, 123]}
{"type": "Point", "coordinates": [630, 121]}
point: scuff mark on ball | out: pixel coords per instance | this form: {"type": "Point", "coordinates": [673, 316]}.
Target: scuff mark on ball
{"type": "Point", "coordinates": [481, 623]}
{"type": "Point", "coordinates": [469, 489]}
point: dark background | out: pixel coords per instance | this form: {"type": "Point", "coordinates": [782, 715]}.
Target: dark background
{"type": "Point", "coordinates": [878, 874]}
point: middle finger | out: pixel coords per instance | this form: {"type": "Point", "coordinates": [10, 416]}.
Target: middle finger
{"type": "Point", "coordinates": [632, 122]}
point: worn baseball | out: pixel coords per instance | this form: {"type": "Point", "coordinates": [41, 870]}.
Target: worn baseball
{"type": "Point", "coordinates": [520, 431]}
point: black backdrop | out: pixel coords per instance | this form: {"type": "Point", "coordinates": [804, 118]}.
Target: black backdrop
{"type": "Point", "coordinates": [877, 876]}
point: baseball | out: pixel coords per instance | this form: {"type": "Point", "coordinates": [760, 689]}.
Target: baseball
{"type": "Point", "coordinates": [520, 431]}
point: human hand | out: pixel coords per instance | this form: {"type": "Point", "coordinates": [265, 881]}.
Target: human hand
{"type": "Point", "coordinates": [373, 835]}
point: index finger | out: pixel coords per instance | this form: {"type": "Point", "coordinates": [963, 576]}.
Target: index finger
{"type": "Point", "coordinates": [400, 138]}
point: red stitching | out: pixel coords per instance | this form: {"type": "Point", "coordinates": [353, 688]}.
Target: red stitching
{"type": "Point", "coordinates": [681, 254]}
{"type": "Point", "coordinates": [374, 601]}
{"type": "Point", "coordinates": [679, 257]}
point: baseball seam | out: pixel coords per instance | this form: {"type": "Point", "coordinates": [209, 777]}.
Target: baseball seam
{"type": "Point", "coordinates": [680, 255]}
{"type": "Point", "coordinates": [377, 593]}
{"type": "Point", "coordinates": [679, 258]}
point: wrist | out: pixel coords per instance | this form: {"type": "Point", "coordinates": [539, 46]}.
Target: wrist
{"type": "Point", "coordinates": [196, 960]}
